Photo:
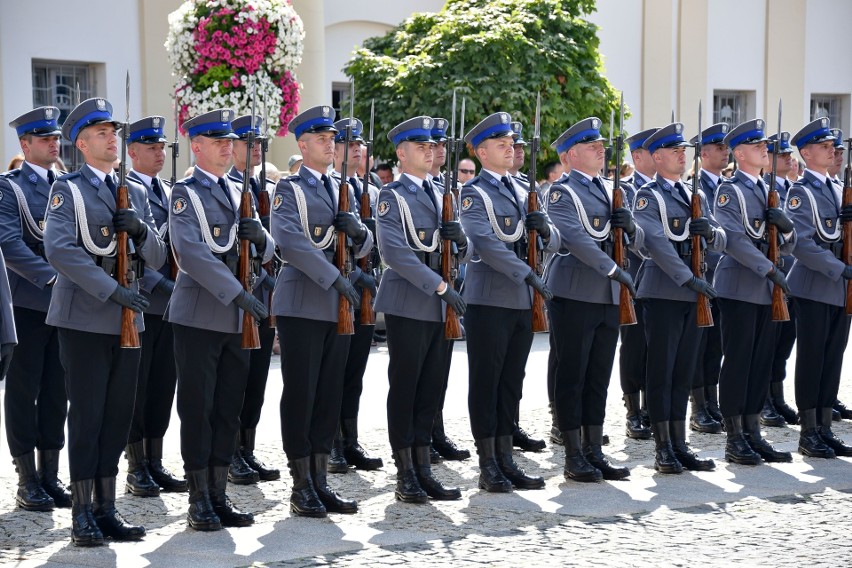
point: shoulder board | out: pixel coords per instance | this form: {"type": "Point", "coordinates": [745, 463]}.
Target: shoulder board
{"type": "Point", "coordinates": [294, 177]}
{"type": "Point", "coordinates": [11, 173]}
{"type": "Point", "coordinates": [392, 185]}
{"type": "Point", "coordinates": [476, 179]}
{"type": "Point", "coordinates": [185, 180]}
{"type": "Point", "coordinates": [66, 177]}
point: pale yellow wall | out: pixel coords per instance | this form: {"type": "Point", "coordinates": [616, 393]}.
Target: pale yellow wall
{"type": "Point", "coordinates": [692, 85]}
{"type": "Point", "coordinates": [657, 63]}
{"type": "Point", "coordinates": [785, 65]}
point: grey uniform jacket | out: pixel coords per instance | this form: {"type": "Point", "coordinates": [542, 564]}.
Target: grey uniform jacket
{"type": "Point", "coordinates": [709, 187]}
{"type": "Point", "coordinates": [408, 285]}
{"type": "Point", "coordinates": [304, 285]}
{"type": "Point", "coordinates": [816, 275]}
{"type": "Point", "coordinates": [205, 286]}
{"type": "Point", "coordinates": [7, 318]}
{"type": "Point", "coordinates": [160, 212]}
{"type": "Point", "coordinates": [665, 272]}
{"type": "Point", "coordinates": [28, 269]}
{"type": "Point", "coordinates": [495, 274]}
{"type": "Point", "coordinates": [631, 188]}
{"type": "Point", "coordinates": [580, 269]}
{"type": "Point", "coordinates": [783, 188]}
{"type": "Point", "coordinates": [741, 273]}
{"type": "Point", "coordinates": [80, 298]}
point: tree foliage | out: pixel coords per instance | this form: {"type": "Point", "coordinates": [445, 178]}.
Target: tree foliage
{"type": "Point", "coordinates": [498, 54]}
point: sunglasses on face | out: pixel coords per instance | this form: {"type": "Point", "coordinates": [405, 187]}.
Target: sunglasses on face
{"type": "Point", "coordinates": [466, 171]}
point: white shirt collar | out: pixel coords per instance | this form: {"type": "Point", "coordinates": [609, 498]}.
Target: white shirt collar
{"type": "Point", "coordinates": [145, 178]}
{"type": "Point", "coordinates": [39, 170]}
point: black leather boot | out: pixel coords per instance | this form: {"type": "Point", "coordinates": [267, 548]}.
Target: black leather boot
{"type": "Point", "coordinates": [522, 440]}
{"type": "Point", "coordinates": [555, 433]}
{"type": "Point", "coordinates": [433, 488]}
{"type": "Point", "coordinates": [506, 463]}
{"type": "Point", "coordinates": [811, 443]}
{"type": "Point", "coordinates": [635, 427]}
{"type": "Point", "coordinates": [643, 411]}
{"type": "Point", "coordinates": [665, 460]}
{"type": "Point", "coordinates": [30, 495]}
{"type": "Point", "coordinates": [443, 444]}
{"type": "Point", "coordinates": [161, 476]}
{"type": "Point", "coordinates": [711, 398]}
{"type": "Point", "coordinates": [408, 489]}
{"type": "Point", "coordinates": [776, 393]}
{"type": "Point", "coordinates": [769, 416]}
{"type": "Point", "coordinates": [247, 438]}
{"type": "Point", "coordinates": [684, 454]}
{"type": "Point", "coordinates": [84, 529]}
{"type": "Point", "coordinates": [200, 515]}
{"type": "Point", "coordinates": [491, 477]}
{"type": "Point", "coordinates": [228, 514]}
{"type": "Point", "coordinates": [356, 455]}
{"type": "Point", "coordinates": [577, 468]}
{"type": "Point", "coordinates": [592, 438]}
{"type": "Point", "coordinates": [110, 521]}
{"type": "Point", "coordinates": [831, 440]}
{"type": "Point", "coordinates": [737, 448]}
{"type": "Point", "coordinates": [304, 501]}
{"type": "Point", "coordinates": [48, 473]}
{"type": "Point", "coordinates": [241, 473]}
{"type": "Point", "coordinates": [139, 480]}
{"type": "Point", "coordinates": [337, 460]}
{"type": "Point", "coordinates": [843, 410]}
{"type": "Point", "coordinates": [751, 430]}
{"type": "Point", "coordinates": [700, 420]}
{"type": "Point", "coordinates": [330, 498]}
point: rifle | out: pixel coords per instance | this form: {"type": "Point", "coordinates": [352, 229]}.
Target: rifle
{"type": "Point", "coordinates": [345, 315]}
{"type": "Point", "coordinates": [847, 226]}
{"type": "Point", "coordinates": [264, 207]}
{"type": "Point", "coordinates": [175, 153]}
{"type": "Point", "coordinates": [251, 336]}
{"type": "Point", "coordinates": [534, 252]}
{"type": "Point", "coordinates": [123, 273]}
{"type": "Point", "coordinates": [779, 302]}
{"type": "Point", "coordinates": [703, 315]}
{"type": "Point", "coordinates": [368, 315]}
{"type": "Point", "coordinates": [449, 268]}
{"type": "Point", "coordinates": [627, 312]}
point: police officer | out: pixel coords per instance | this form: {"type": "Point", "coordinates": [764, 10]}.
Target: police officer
{"type": "Point", "coordinates": [776, 411]}
{"type": "Point", "coordinates": [346, 450]}
{"type": "Point", "coordinates": [705, 415]}
{"type": "Point", "coordinates": [412, 297]}
{"type": "Point", "coordinates": [8, 337]}
{"type": "Point", "coordinates": [818, 285]}
{"type": "Point", "coordinates": [36, 405]}
{"type": "Point", "coordinates": [499, 299]}
{"type": "Point", "coordinates": [744, 280]}
{"type": "Point", "coordinates": [584, 311]}
{"type": "Point", "coordinates": [633, 354]}
{"type": "Point", "coordinates": [86, 305]}
{"type": "Point", "coordinates": [155, 385]}
{"type": "Point", "coordinates": [518, 158]}
{"type": "Point", "coordinates": [206, 312]}
{"type": "Point", "coordinates": [669, 290]}
{"type": "Point", "coordinates": [245, 467]}
{"type": "Point", "coordinates": [305, 219]}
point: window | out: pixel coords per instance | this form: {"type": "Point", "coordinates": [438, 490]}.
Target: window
{"type": "Point", "coordinates": [63, 84]}
{"type": "Point", "coordinates": [340, 94]}
{"type": "Point", "coordinates": [730, 107]}
{"type": "Point", "coordinates": [830, 106]}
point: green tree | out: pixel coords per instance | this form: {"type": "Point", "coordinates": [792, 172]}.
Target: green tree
{"type": "Point", "coordinates": [498, 54]}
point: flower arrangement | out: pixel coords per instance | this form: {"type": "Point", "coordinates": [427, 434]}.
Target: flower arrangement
{"type": "Point", "coordinates": [220, 50]}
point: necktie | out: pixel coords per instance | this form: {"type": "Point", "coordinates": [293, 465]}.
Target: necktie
{"type": "Point", "coordinates": [326, 181]}
{"type": "Point", "coordinates": [599, 184]}
{"type": "Point", "coordinates": [834, 192]}
{"type": "Point", "coordinates": [511, 188]}
{"type": "Point", "coordinates": [155, 185]}
{"type": "Point", "coordinates": [227, 191]}
{"type": "Point", "coordinates": [682, 192]}
{"type": "Point", "coordinates": [428, 188]}
{"type": "Point", "coordinates": [51, 177]}
{"type": "Point", "coordinates": [110, 183]}
{"type": "Point", "coordinates": [254, 186]}
{"type": "Point", "coordinates": [356, 187]}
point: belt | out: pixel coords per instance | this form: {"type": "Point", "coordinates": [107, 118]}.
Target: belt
{"type": "Point", "coordinates": [430, 259]}
{"type": "Point", "coordinates": [109, 263]}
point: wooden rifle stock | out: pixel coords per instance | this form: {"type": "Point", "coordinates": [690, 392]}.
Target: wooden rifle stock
{"type": "Point", "coordinates": [779, 302]}
{"type": "Point", "coordinates": [264, 210]}
{"type": "Point", "coordinates": [452, 327]}
{"type": "Point", "coordinates": [847, 229]}
{"type": "Point", "coordinates": [251, 336]}
{"type": "Point", "coordinates": [368, 315]}
{"type": "Point", "coordinates": [539, 319]}
{"type": "Point", "coordinates": [129, 333]}
{"type": "Point", "coordinates": [345, 315]}
{"type": "Point", "coordinates": [704, 317]}
{"type": "Point", "coordinates": [626, 310]}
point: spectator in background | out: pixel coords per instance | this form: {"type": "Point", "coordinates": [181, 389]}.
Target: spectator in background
{"type": "Point", "coordinates": [729, 170]}
{"type": "Point", "coordinates": [552, 172]}
{"type": "Point", "coordinates": [795, 168]}
{"type": "Point", "coordinates": [272, 172]}
{"type": "Point", "coordinates": [626, 170]}
{"type": "Point", "coordinates": [467, 170]}
{"type": "Point", "coordinates": [385, 173]}
{"type": "Point", "coordinates": [294, 163]}
{"type": "Point", "coordinates": [15, 162]}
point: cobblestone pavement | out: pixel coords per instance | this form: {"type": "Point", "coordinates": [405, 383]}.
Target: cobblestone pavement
{"type": "Point", "coordinates": [795, 513]}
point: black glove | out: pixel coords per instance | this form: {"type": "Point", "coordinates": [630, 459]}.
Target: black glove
{"type": "Point", "coordinates": [846, 213]}
{"type": "Point", "coordinates": [622, 218]}
{"type": "Point", "coordinates": [345, 288]}
{"type": "Point", "coordinates": [6, 351]}
{"type": "Point", "coordinates": [367, 281]}
{"type": "Point", "coordinates": [349, 224]}
{"type": "Point", "coordinates": [538, 221]}
{"type": "Point", "coordinates": [701, 286]}
{"type": "Point", "coordinates": [248, 303]}
{"type": "Point", "coordinates": [452, 230]}
{"type": "Point", "coordinates": [779, 279]}
{"type": "Point", "coordinates": [454, 300]}
{"type": "Point", "coordinates": [268, 282]}
{"type": "Point", "coordinates": [165, 285]}
{"type": "Point", "coordinates": [533, 280]}
{"type": "Point", "coordinates": [700, 227]}
{"type": "Point", "coordinates": [251, 230]}
{"type": "Point", "coordinates": [777, 217]}
{"type": "Point", "coordinates": [847, 272]}
{"type": "Point", "coordinates": [623, 277]}
{"type": "Point", "coordinates": [128, 221]}
{"type": "Point", "coordinates": [370, 223]}
{"type": "Point", "coordinates": [129, 299]}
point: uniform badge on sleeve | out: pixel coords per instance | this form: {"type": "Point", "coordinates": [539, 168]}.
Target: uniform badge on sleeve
{"type": "Point", "coordinates": [641, 203]}
{"type": "Point", "coordinates": [105, 231]}
{"type": "Point", "coordinates": [384, 207]}
{"type": "Point", "coordinates": [723, 200]}
{"type": "Point", "coordinates": [179, 206]}
{"type": "Point", "coordinates": [277, 201]}
{"type": "Point", "coordinates": [467, 203]}
{"type": "Point", "coordinates": [217, 230]}
{"type": "Point", "coordinates": [794, 202]}
{"type": "Point", "coordinates": [56, 201]}
{"type": "Point", "coordinates": [555, 196]}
